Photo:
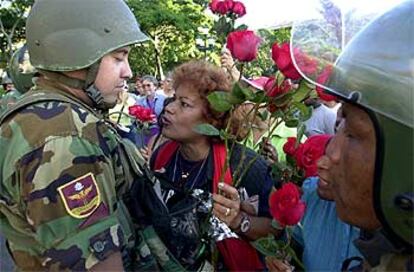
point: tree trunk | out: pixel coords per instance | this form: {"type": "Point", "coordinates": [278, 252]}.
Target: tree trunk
{"type": "Point", "coordinates": [159, 69]}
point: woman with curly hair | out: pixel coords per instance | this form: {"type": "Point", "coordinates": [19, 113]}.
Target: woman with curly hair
{"type": "Point", "coordinates": [194, 179]}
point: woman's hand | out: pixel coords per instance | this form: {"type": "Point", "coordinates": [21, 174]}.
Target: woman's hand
{"type": "Point", "coordinates": [276, 265]}
{"type": "Point", "coordinates": [269, 151]}
{"type": "Point", "coordinates": [227, 205]}
{"type": "Point", "coordinates": [227, 62]}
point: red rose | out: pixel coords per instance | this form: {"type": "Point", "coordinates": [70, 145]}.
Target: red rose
{"type": "Point", "coordinates": [286, 206]}
{"type": "Point", "coordinates": [213, 6]}
{"type": "Point", "coordinates": [307, 64]}
{"type": "Point", "coordinates": [281, 56]}
{"type": "Point", "coordinates": [229, 4]}
{"type": "Point", "coordinates": [289, 147]}
{"type": "Point", "coordinates": [243, 45]}
{"type": "Point", "coordinates": [239, 9]}
{"type": "Point", "coordinates": [224, 7]}
{"type": "Point", "coordinates": [308, 154]}
{"type": "Point", "coordinates": [272, 89]}
{"type": "Point", "coordinates": [322, 79]}
{"type": "Point", "coordinates": [141, 113]}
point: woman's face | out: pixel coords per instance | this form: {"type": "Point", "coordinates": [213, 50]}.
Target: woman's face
{"type": "Point", "coordinates": [183, 114]}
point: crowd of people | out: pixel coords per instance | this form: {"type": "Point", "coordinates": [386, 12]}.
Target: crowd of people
{"type": "Point", "coordinates": [85, 187]}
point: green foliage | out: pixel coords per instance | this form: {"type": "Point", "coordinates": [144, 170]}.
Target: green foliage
{"type": "Point", "coordinates": [172, 28]}
{"type": "Point", "coordinates": [207, 129]}
{"type": "Point", "coordinates": [220, 101]}
{"type": "Point", "coordinates": [12, 26]}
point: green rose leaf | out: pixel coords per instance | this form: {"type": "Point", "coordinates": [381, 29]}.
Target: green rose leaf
{"type": "Point", "coordinates": [237, 93]}
{"type": "Point", "coordinates": [206, 129]}
{"type": "Point", "coordinates": [242, 27]}
{"type": "Point", "coordinates": [248, 93]}
{"type": "Point", "coordinates": [283, 100]}
{"type": "Point", "coordinates": [263, 115]}
{"type": "Point", "coordinates": [302, 92]}
{"type": "Point", "coordinates": [220, 101]}
{"type": "Point", "coordinates": [259, 97]}
{"type": "Point", "coordinates": [292, 123]}
{"type": "Point", "coordinates": [305, 111]}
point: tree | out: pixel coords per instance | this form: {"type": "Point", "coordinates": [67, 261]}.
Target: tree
{"type": "Point", "coordinates": [171, 26]}
{"type": "Point", "coordinates": [13, 16]}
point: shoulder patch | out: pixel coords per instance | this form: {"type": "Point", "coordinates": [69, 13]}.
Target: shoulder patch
{"type": "Point", "coordinates": [81, 196]}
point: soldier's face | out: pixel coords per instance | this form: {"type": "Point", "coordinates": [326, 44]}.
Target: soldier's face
{"type": "Point", "coordinates": [113, 71]}
{"type": "Point", "coordinates": [351, 154]}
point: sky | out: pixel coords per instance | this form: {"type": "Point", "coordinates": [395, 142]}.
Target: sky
{"type": "Point", "coordinates": [268, 13]}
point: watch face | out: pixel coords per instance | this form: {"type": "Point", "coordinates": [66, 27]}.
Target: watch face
{"type": "Point", "coordinates": [245, 225]}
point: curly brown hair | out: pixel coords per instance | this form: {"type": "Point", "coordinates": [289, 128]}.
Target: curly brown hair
{"type": "Point", "coordinates": [205, 78]}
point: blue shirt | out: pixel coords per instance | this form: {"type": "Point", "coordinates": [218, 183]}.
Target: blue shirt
{"type": "Point", "coordinates": [156, 105]}
{"type": "Point", "coordinates": [326, 240]}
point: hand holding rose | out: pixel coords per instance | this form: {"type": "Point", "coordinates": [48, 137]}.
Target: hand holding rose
{"type": "Point", "coordinates": [227, 205]}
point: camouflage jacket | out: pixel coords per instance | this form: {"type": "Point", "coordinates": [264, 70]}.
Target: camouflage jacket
{"type": "Point", "coordinates": [62, 172]}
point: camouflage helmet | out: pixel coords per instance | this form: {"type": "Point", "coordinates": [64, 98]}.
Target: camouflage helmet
{"type": "Point", "coordinates": [68, 35]}
{"type": "Point", "coordinates": [5, 79]}
{"type": "Point", "coordinates": [21, 70]}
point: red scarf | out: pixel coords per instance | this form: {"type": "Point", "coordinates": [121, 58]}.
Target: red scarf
{"type": "Point", "coordinates": [238, 254]}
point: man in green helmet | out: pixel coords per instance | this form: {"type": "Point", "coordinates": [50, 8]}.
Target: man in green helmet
{"type": "Point", "coordinates": [64, 170]}
{"type": "Point", "coordinates": [11, 94]}
{"type": "Point", "coordinates": [369, 162]}
{"type": "Point", "coordinates": [371, 155]}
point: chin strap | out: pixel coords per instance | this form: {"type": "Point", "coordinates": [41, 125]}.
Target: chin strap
{"type": "Point", "coordinates": [86, 85]}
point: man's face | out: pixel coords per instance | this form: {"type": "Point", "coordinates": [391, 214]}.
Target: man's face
{"type": "Point", "coordinates": [113, 71]}
{"type": "Point", "coordinates": [324, 188]}
{"type": "Point", "coordinates": [351, 154]}
{"type": "Point", "coordinates": [149, 87]}
{"type": "Point", "coordinates": [9, 87]}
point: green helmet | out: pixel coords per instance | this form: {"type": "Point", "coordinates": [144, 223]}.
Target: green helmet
{"type": "Point", "coordinates": [68, 35]}
{"type": "Point", "coordinates": [375, 71]}
{"type": "Point", "coordinates": [21, 70]}
{"type": "Point", "coordinates": [5, 79]}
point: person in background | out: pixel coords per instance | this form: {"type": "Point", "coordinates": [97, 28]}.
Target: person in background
{"type": "Point", "coordinates": [324, 240]}
{"type": "Point", "coordinates": [153, 101]}
{"type": "Point", "coordinates": [322, 120]}
{"type": "Point", "coordinates": [10, 96]}
{"type": "Point", "coordinates": [166, 88]}
{"type": "Point", "coordinates": [150, 99]}
{"type": "Point", "coordinates": [138, 88]}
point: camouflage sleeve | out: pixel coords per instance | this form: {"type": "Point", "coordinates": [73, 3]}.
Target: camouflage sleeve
{"type": "Point", "coordinates": [62, 210]}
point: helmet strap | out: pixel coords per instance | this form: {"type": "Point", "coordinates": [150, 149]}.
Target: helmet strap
{"type": "Point", "coordinates": [87, 85]}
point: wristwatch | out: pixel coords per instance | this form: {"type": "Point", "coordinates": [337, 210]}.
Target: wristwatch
{"type": "Point", "coordinates": [245, 224]}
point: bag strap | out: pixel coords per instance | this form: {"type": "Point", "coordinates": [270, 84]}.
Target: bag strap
{"type": "Point", "coordinates": [165, 154]}
{"type": "Point", "coordinates": [36, 97]}
{"type": "Point", "coordinates": [220, 156]}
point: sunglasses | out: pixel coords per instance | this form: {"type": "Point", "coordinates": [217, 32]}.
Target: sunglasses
{"type": "Point", "coordinates": [147, 85]}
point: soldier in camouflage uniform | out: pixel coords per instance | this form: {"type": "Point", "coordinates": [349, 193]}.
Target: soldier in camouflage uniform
{"type": "Point", "coordinates": [11, 94]}
{"type": "Point", "coordinates": [63, 168]}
